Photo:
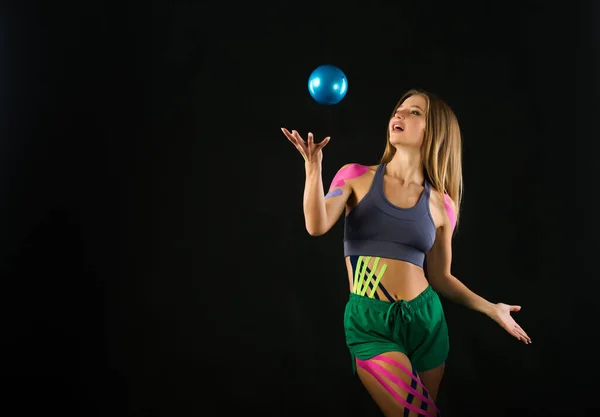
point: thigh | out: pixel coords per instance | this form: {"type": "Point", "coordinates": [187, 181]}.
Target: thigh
{"type": "Point", "coordinates": [432, 379]}
{"type": "Point", "coordinates": [398, 391]}
{"type": "Point", "coordinates": [428, 339]}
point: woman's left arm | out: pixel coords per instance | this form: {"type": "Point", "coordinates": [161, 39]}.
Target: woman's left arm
{"type": "Point", "coordinates": [439, 260]}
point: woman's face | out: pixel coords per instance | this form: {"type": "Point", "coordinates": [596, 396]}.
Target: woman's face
{"type": "Point", "coordinates": [407, 126]}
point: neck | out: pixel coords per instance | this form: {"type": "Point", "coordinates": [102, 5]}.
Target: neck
{"type": "Point", "coordinates": [406, 166]}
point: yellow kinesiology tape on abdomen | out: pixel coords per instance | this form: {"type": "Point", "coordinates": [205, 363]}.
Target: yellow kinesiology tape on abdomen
{"type": "Point", "coordinates": [362, 275]}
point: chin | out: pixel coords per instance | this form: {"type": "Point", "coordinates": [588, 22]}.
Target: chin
{"type": "Point", "coordinates": [402, 142]}
{"type": "Point", "coordinates": [398, 141]}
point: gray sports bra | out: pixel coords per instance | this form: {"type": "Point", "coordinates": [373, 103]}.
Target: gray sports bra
{"type": "Point", "coordinates": [376, 227]}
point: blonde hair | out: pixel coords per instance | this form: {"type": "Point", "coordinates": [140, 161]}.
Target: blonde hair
{"type": "Point", "coordinates": [441, 149]}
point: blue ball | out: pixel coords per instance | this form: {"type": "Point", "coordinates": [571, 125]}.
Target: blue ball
{"type": "Point", "coordinates": [327, 84]}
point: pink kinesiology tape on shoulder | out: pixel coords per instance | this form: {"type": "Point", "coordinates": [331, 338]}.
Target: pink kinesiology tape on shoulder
{"type": "Point", "coordinates": [450, 210]}
{"type": "Point", "coordinates": [347, 173]}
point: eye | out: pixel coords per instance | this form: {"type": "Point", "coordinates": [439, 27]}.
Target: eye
{"type": "Point", "coordinates": [415, 112]}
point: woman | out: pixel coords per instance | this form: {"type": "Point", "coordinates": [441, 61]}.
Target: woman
{"type": "Point", "coordinates": [400, 217]}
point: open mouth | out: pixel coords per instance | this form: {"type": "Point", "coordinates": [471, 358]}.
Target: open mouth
{"type": "Point", "coordinates": [398, 128]}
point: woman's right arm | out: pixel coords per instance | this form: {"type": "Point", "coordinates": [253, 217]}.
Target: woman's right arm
{"type": "Point", "coordinates": [322, 211]}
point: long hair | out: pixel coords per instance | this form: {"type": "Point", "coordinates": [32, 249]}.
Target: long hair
{"type": "Point", "coordinates": [441, 149]}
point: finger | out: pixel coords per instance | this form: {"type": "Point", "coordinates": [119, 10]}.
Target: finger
{"type": "Point", "coordinates": [522, 335]}
{"type": "Point", "coordinates": [292, 139]}
{"type": "Point", "coordinates": [324, 142]}
{"type": "Point", "coordinates": [301, 150]}
{"type": "Point", "coordinates": [294, 142]}
{"type": "Point", "coordinates": [287, 133]}
{"type": "Point", "coordinates": [298, 137]}
{"type": "Point", "coordinates": [512, 329]}
{"type": "Point", "coordinates": [515, 308]}
{"type": "Point", "coordinates": [518, 336]}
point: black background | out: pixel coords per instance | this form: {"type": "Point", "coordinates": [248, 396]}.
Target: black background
{"type": "Point", "coordinates": [153, 253]}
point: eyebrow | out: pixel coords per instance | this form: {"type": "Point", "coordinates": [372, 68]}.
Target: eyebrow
{"type": "Point", "coordinates": [414, 105]}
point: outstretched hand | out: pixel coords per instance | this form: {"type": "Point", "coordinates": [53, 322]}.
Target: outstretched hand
{"type": "Point", "coordinates": [501, 315]}
{"type": "Point", "coordinates": [310, 151]}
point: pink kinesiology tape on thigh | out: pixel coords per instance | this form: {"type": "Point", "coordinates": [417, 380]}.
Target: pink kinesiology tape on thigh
{"type": "Point", "coordinates": [450, 210]}
{"type": "Point", "coordinates": [378, 371]}
{"type": "Point", "coordinates": [347, 173]}
{"type": "Point", "coordinates": [406, 370]}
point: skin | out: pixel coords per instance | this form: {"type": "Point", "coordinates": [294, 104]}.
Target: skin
{"type": "Point", "coordinates": [403, 185]}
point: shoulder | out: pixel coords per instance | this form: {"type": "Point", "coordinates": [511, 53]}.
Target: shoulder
{"type": "Point", "coordinates": [354, 169]}
{"type": "Point", "coordinates": [449, 203]}
{"type": "Point", "coordinates": [351, 171]}
{"type": "Point", "coordinates": [444, 204]}
{"type": "Point", "coordinates": [442, 201]}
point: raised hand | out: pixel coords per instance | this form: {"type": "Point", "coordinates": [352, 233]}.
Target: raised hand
{"type": "Point", "coordinates": [311, 152]}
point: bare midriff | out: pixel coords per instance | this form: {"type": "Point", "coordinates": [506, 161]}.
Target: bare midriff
{"type": "Point", "coordinates": [402, 280]}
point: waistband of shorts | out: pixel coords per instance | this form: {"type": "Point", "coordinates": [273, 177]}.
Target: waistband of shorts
{"type": "Point", "coordinates": [381, 305]}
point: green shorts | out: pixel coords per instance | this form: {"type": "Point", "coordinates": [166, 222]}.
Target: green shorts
{"type": "Point", "coordinates": [416, 328]}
